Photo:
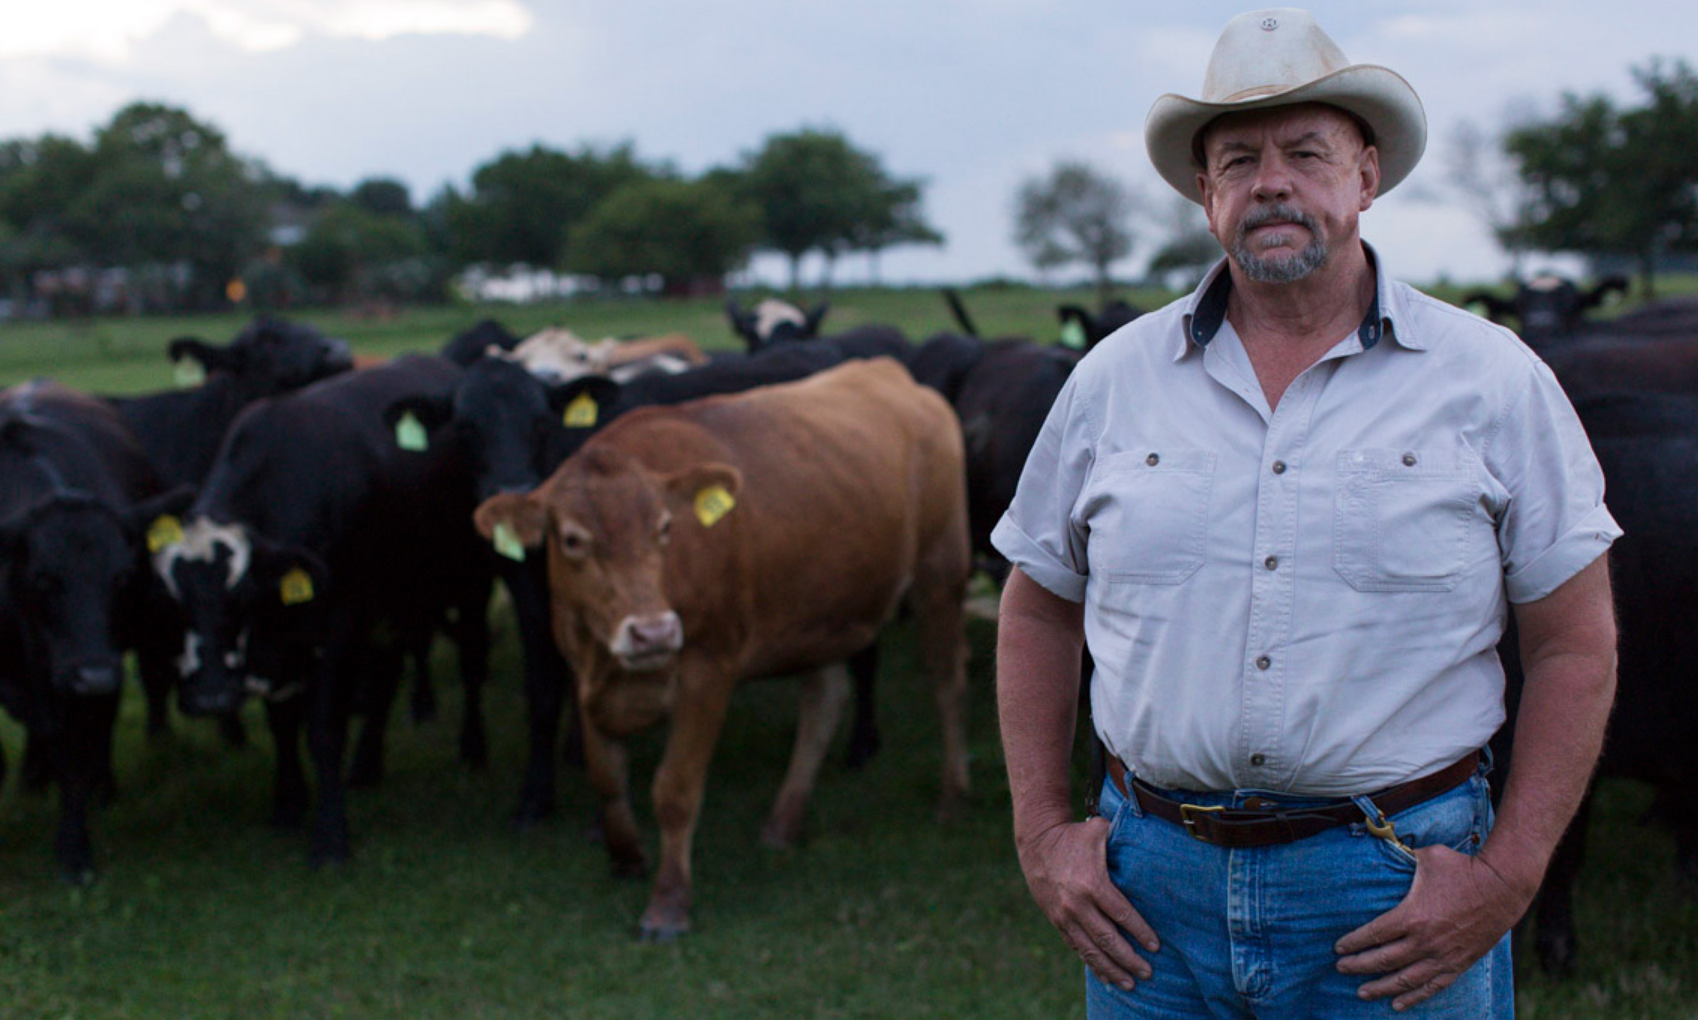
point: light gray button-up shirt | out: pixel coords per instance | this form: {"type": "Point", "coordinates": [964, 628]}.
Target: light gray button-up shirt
{"type": "Point", "coordinates": [1304, 599]}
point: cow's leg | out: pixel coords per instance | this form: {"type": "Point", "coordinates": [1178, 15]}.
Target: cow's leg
{"type": "Point", "coordinates": [376, 687]}
{"type": "Point", "coordinates": [69, 749]}
{"type": "Point", "coordinates": [38, 761]}
{"type": "Point", "coordinates": [1555, 942]}
{"type": "Point", "coordinates": [158, 672]}
{"type": "Point", "coordinates": [821, 709]}
{"type": "Point", "coordinates": [939, 588]}
{"type": "Point", "coordinates": [423, 705]}
{"type": "Point", "coordinates": [863, 734]}
{"type": "Point", "coordinates": [471, 637]}
{"type": "Point", "coordinates": [609, 769]}
{"type": "Point", "coordinates": [329, 708]}
{"type": "Point", "coordinates": [1685, 825]}
{"type": "Point", "coordinates": [289, 782]}
{"type": "Point", "coordinates": [546, 679]}
{"type": "Point", "coordinates": [697, 718]}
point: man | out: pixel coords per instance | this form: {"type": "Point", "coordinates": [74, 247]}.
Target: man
{"type": "Point", "coordinates": [1289, 517]}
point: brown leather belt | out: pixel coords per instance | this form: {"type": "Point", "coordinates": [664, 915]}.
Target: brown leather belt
{"type": "Point", "coordinates": [1255, 825]}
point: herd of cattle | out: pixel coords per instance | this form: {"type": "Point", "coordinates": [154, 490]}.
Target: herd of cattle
{"type": "Point", "coordinates": [666, 523]}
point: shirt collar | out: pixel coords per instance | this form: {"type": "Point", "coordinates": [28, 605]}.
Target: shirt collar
{"type": "Point", "coordinates": [1206, 311]}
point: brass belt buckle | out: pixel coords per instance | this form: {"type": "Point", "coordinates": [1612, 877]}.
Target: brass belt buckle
{"type": "Point", "coordinates": [1187, 813]}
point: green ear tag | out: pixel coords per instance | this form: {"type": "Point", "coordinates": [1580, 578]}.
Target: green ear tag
{"type": "Point", "coordinates": [187, 373]}
{"type": "Point", "coordinates": [410, 434]}
{"type": "Point", "coordinates": [507, 543]}
{"type": "Point", "coordinates": [582, 412]}
{"type": "Point", "coordinates": [1072, 334]}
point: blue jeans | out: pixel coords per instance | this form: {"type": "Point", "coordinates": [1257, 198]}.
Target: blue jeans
{"type": "Point", "coordinates": [1250, 932]}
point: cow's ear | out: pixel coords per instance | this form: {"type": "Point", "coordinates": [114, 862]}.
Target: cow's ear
{"type": "Point", "coordinates": [211, 357]}
{"type": "Point", "coordinates": [707, 491]}
{"type": "Point", "coordinates": [512, 516]}
{"type": "Point", "coordinates": [158, 517]}
{"type": "Point", "coordinates": [414, 420]}
{"type": "Point", "coordinates": [584, 402]}
{"type": "Point", "coordinates": [1615, 283]}
{"type": "Point", "coordinates": [742, 323]}
{"type": "Point", "coordinates": [1497, 309]}
{"type": "Point", "coordinates": [291, 576]}
{"type": "Point", "coordinates": [814, 317]}
{"type": "Point", "coordinates": [17, 434]}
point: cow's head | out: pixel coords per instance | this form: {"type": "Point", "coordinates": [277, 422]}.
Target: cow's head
{"type": "Point", "coordinates": [1548, 307]}
{"type": "Point", "coordinates": [774, 322]}
{"type": "Point", "coordinates": [73, 566]}
{"type": "Point", "coordinates": [251, 607]}
{"type": "Point", "coordinates": [1082, 330]}
{"type": "Point", "coordinates": [270, 355]}
{"type": "Point", "coordinates": [513, 427]}
{"type": "Point", "coordinates": [607, 522]}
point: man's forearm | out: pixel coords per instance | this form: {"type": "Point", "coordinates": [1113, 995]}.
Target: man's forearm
{"type": "Point", "coordinates": [1039, 642]}
{"type": "Point", "coordinates": [1569, 665]}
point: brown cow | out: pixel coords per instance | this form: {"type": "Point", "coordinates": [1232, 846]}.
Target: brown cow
{"type": "Point", "coordinates": [763, 533]}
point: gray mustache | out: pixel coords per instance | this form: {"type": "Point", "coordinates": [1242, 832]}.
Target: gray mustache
{"type": "Point", "coordinates": [1263, 215]}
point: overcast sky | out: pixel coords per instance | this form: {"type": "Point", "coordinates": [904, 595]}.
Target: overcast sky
{"type": "Point", "coordinates": [972, 95]}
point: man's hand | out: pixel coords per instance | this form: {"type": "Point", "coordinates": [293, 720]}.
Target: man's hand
{"type": "Point", "coordinates": [1457, 909]}
{"type": "Point", "coordinates": [1066, 868]}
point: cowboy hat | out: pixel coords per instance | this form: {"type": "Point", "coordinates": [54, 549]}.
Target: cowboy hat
{"type": "Point", "coordinates": [1279, 57]}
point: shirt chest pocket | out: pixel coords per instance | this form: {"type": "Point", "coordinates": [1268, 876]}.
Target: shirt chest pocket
{"type": "Point", "coordinates": [1401, 520]}
{"type": "Point", "coordinates": [1148, 514]}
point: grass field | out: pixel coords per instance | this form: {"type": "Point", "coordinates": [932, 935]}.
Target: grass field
{"type": "Point", "coordinates": [203, 911]}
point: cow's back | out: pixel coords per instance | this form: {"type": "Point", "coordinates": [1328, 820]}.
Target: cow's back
{"type": "Point", "coordinates": [852, 483]}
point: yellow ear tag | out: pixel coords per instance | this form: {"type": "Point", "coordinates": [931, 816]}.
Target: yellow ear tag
{"type": "Point", "coordinates": [507, 543]}
{"type": "Point", "coordinates": [165, 531]}
{"type": "Point", "coordinates": [296, 587]}
{"type": "Point", "coordinates": [1073, 334]}
{"type": "Point", "coordinates": [582, 412]}
{"type": "Point", "coordinates": [188, 373]}
{"type": "Point", "coordinates": [410, 434]}
{"type": "Point", "coordinates": [713, 503]}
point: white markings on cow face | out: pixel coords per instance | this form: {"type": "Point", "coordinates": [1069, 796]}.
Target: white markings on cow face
{"type": "Point", "coordinates": [772, 313]}
{"type": "Point", "coordinates": [188, 664]}
{"type": "Point", "coordinates": [204, 541]}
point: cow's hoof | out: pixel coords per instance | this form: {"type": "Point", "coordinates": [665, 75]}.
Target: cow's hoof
{"type": "Point", "coordinates": [77, 875]}
{"type": "Point", "coordinates": [663, 931]}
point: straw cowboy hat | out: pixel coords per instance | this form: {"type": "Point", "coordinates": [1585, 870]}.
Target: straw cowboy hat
{"type": "Point", "coordinates": [1278, 57]}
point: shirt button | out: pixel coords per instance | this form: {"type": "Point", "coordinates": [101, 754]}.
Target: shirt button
{"type": "Point", "coordinates": [1153, 459]}
{"type": "Point", "coordinates": [1279, 467]}
{"type": "Point", "coordinates": [1263, 662]}
{"type": "Point", "coordinates": [1258, 760]}
{"type": "Point", "coordinates": [1272, 563]}
{"type": "Point", "coordinates": [1409, 460]}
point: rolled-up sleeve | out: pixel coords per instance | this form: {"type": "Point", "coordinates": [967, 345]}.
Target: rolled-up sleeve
{"type": "Point", "coordinates": [1555, 521]}
{"type": "Point", "coordinates": [1040, 533]}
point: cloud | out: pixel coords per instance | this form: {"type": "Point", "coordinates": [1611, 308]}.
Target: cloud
{"type": "Point", "coordinates": [108, 31]}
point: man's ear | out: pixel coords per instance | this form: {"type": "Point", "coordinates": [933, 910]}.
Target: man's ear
{"type": "Point", "coordinates": [1370, 171]}
{"type": "Point", "coordinates": [707, 491]}
{"type": "Point", "coordinates": [520, 512]}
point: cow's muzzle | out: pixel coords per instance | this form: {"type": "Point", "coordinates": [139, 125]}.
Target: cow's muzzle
{"type": "Point", "coordinates": [91, 677]}
{"type": "Point", "coordinates": [644, 643]}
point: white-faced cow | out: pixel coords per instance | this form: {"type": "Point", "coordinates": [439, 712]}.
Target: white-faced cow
{"type": "Point", "coordinates": [768, 533]}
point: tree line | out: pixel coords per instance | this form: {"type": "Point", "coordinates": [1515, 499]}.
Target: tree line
{"type": "Point", "coordinates": [156, 212]}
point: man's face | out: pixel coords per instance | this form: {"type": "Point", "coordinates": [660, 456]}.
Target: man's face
{"type": "Point", "coordinates": [1282, 187]}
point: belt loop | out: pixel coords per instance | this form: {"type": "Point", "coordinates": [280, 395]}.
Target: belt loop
{"type": "Point", "coordinates": [1486, 762]}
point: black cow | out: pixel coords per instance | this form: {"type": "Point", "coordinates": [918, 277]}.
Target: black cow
{"type": "Point", "coordinates": [313, 532]}
{"type": "Point", "coordinates": [1082, 331]}
{"type": "Point", "coordinates": [74, 590]}
{"type": "Point", "coordinates": [1549, 309]}
{"type": "Point", "coordinates": [774, 323]}
{"type": "Point", "coordinates": [1647, 445]}
{"type": "Point", "coordinates": [471, 345]}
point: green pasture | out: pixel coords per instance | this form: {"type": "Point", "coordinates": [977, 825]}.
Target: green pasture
{"type": "Point", "coordinates": [202, 910]}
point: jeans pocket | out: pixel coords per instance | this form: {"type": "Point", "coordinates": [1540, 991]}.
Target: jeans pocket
{"type": "Point", "coordinates": [1458, 819]}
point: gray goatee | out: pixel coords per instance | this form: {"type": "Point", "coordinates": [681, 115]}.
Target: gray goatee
{"type": "Point", "coordinates": [1278, 268]}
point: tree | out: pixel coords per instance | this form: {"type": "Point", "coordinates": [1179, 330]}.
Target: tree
{"type": "Point", "coordinates": [1075, 214]}
{"type": "Point", "coordinates": [818, 192]}
{"type": "Point", "coordinates": [1603, 180]}
{"type": "Point", "coordinates": [682, 230]}
{"type": "Point", "coordinates": [382, 196]}
{"type": "Point", "coordinates": [522, 205]}
{"type": "Point", "coordinates": [1190, 248]}
{"type": "Point", "coordinates": [1479, 172]}
{"type": "Point", "coordinates": [356, 254]}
